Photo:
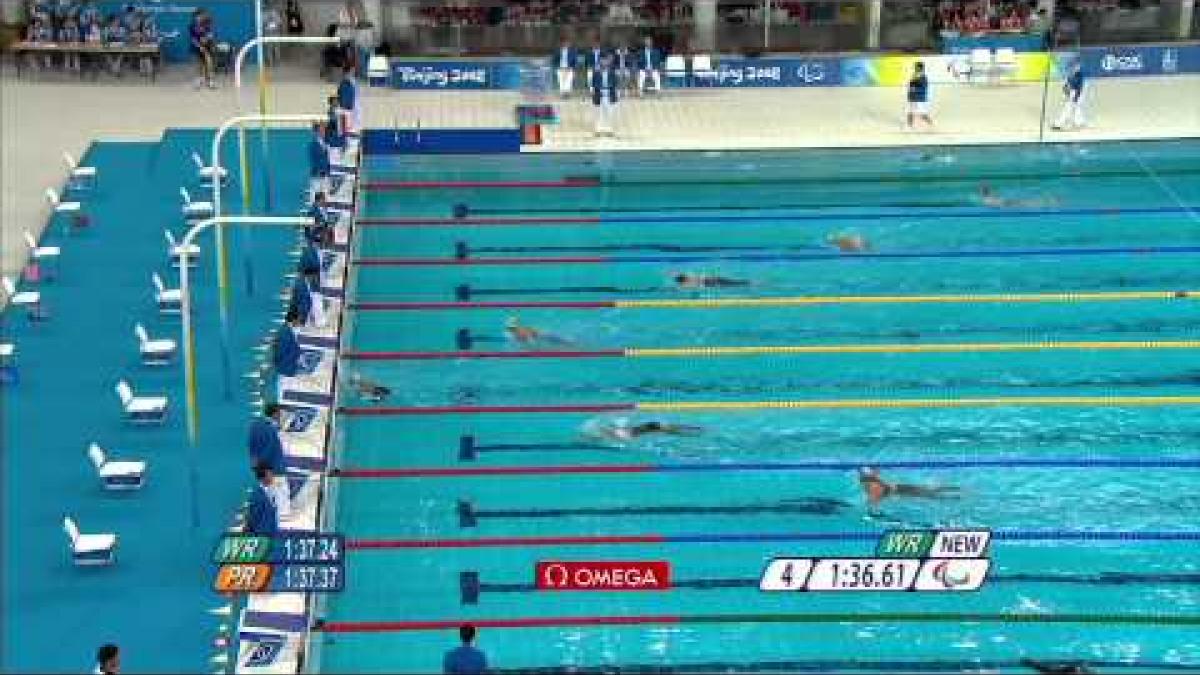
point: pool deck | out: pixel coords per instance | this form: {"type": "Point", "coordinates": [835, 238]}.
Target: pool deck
{"type": "Point", "coordinates": [41, 119]}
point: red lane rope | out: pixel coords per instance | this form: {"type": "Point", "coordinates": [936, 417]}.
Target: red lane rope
{"type": "Point", "coordinates": [533, 354]}
{"type": "Point", "coordinates": [360, 544]}
{"type": "Point", "coordinates": [388, 411]}
{"type": "Point", "coordinates": [456, 222]}
{"type": "Point", "coordinates": [446, 184]}
{"type": "Point", "coordinates": [468, 262]}
{"type": "Point", "coordinates": [543, 622]}
{"type": "Point", "coordinates": [494, 471]}
{"type": "Point", "coordinates": [381, 306]}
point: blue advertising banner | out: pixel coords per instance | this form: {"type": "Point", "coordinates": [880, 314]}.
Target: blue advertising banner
{"type": "Point", "coordinates": [1135, 60]}
{"type": "Point", "coordinates": [233, 21]}
{"type": "Point", "coordinates": [814, 72]}
{"type": "Point", "coordinates": [456, 74]}
{"type": "Point", "coordinates": [1021, 42]}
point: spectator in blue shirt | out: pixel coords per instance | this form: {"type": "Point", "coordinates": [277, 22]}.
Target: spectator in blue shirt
{"type": "Point", "coordinates": [650, 63]}
{"type": "Point", "coordinates": [70, 33]}
{"type": "Point", "coordinates": [564, 62]}
{"type": "Point", "coordinates": [918, 97]}
{"type": "Point", "coordinates": [287, 346]}
{"type": "Point", "coordinates": [147, 34]}
{"type": "Point", "coordinates": [266, 449]}
{"type": "Point", "coordinates": [40, 30]}
{"type": "Point", "coordinates": [1072, 110]}
{"type": "Point", "coordinates": [88, 13]}
{"type": "Point", "coordinates": [465, 659]}
{"type": "Point", "coordinates": [262, 516]}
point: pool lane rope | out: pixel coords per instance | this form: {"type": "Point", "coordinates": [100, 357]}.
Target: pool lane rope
{"type": "Point", "coordinates": [693, 406]}
{"type": "Point", "coordinates": [797, 301]}
{"type": "Point", "coordinates": [771, 257]}
{"type": "Point", "coordinates": [1159, 620]}
{"type": "Point", "coordinates": [764, 350]}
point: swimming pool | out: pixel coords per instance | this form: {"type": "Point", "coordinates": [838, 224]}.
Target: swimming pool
{"type": "Point", "coordinates": [1041, 356]}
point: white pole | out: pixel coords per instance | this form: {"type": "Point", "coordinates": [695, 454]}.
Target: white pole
{"type": "Point", "coordinates": [222, 258]}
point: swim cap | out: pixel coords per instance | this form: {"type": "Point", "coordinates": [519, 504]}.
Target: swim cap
{"type": "Point", "coordinates": [511, 322]}
{"type": "Point", "coordinates": [868, 472]}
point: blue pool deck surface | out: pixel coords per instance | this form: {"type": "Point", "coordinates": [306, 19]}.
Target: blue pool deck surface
{"type": "Point", "coordinates": [153, 601]}
{"type": "Point", "coordinates": [1089, 501]}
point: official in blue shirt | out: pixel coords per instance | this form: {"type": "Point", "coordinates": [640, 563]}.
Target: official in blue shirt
{"type": "Point", "coordinates": [318, 160]}
{"type": "Point", "coordinates": [262, 516]}
{"type": "Point", "coordinates": [266, 449]}
{"type": "Point", "coordinates": [465, 659]}
{"type": "Point", "coordinates": [918, 96]}
{"type": "Point", "coordinates": [650, 61]}
{"type": "Point", "coordinates": [564, 61]}
{"type": "Point", "coordinates": [320, 233]}
{"type": "Point", "coordinates": [287, 346]}
{"type": "Point", "coordinates": [1071, 116]}
{"type": "Point", "coordinates": [347, 99]}
{"type": "Point", "coordinates": [593, 58]}
{"type": "Point", "coordinates": [310, 262]}
{"type": "Point", "coordinates": [604, 95]}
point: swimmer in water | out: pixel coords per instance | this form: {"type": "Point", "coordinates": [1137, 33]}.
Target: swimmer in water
{"type": "Point", "coordinates": [877, 489]}
{"type": "Point", "coordinates": [368, 390]}
{"type": "Point", "coordinates": [687, 280]}
{"type": "Point", "coordinates": [989, 198]}
{"type": "Point", "coordinates": [528, 335]}
{"type": "Point", "coordinates": [848, 243]}
{"type": "Point", "coordinates": [622, 430]}
{"type": "Point", "coordinates": [1057, 668]}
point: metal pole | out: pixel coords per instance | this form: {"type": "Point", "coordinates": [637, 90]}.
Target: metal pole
{"type": "Point", "coordinates": [222, 257]}
{"type": "Point", "coordinates": [766, 15]}
{"type": "Point", "coordinates": [185, 289]}
{"type": "Point", "coordinates": [243, 155]}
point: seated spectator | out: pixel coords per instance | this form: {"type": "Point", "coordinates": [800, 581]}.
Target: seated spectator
{"type": "Point", "coordinates": [40, 31]}
{"type": "Point", "coordinates": [88, 13]}
{"type": "Point", "coordinates": [115, 35]}
{"type": "Point", "coordinates": [147, 35]}
{"type": "Point", "coordinates": [70, 33]}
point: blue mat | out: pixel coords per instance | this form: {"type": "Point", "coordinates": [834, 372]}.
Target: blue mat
{"type": "Point", "coordinates": [153, 601]}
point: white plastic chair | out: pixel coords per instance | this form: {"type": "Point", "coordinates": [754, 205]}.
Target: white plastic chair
{"type": "Point", "coordinates": [676, 66]}
{"type": "Point", "coordinates": [141, 409]}
{"type": "Point", "coordinates": [59, 205]}
{"type": "Point", "coordinates": [1005, 63]}
{"type": "Point", "coordinates": [175, 251]}
{"type": "Point", "coordinates": [79, 175]}
{"type": "Point", "coordinates": [170, 300]}
{"type": "Point", "coordinates": [31, 299]}
{"type": "Point", "coordinates": [378, 68]}
{"type": "Point", "coordinates": [981, 65]}
{"type": "Point", "coordinates": [40, 252]}
{"type": "Point", "coordinates": [125, 475]}
{"type": "Point", "coordinates": [194, 210]}
{"type": "Point", "coordinates": [90, 549]}
{"type": "Point", "coordinates": [206, 172]}
{"type": "Point", "coordinates": [702, 68]}
{"type": "Point", "coordinates": [154, 352]}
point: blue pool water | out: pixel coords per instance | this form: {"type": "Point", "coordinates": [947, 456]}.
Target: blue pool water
{"type": "Point", "coordinates": [1089, 478]}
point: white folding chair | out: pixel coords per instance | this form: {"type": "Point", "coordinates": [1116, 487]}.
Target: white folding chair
{"type": "Point", "coordinates": [154, 352]}
{"type": "Point", "coordinates": [175, 250]}
{"type": "Point", "coordinates": [90, 549]}
{"type": "Point", "coordinates": [1005, 63]}
{"type": "Point", "coordinates": [170, 300]}
{"type": "Point", "coordinates": [702, 67]}
{"type": "Point", "coordinates": [79, 176]}
{"type": "Point", "coordinates": [141, 409]}
{"type": "Point", "coordinates": [676, 68]}
{"type": "Point", "coordinates": [981, 65]}
{"type": "Point", "coordinates": [378, 70]}
{"type": "Point", "coordinates": [125, 475]}
{"type": "Point", "coordinates": [29, 299]}
{"type": "Point", "coordinates": [194, 210]}
{"type": "Point", "coordinates": [206, 172]}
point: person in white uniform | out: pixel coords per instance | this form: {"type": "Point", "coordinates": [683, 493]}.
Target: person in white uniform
{"type": "Point", "coordinates": [565, 59]}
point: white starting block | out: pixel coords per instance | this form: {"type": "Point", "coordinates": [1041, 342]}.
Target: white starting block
{"type": "Point", "coordinates": [154, 352]}
{"type": "Point", "coordinates": [141, 409]}
{"type": "Point", "coordinates": [194, 210]}
{"type": "Point", "coordinates": [175, 250]}
{"type": "Point", "coordinates": [79, 176]}
{"type": "Point", "coordinates": [206, 173]}
{"type": "Point", "coordinates": [170, 300]}
{"type": "Point", "coordinates": [90, 549]}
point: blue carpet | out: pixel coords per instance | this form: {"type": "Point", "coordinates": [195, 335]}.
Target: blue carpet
{"type": "Point", "coordinates": [153, 601]}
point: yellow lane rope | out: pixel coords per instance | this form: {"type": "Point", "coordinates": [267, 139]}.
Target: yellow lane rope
{"type": "Point", "coordinates": [911, 348]}
{"type": "Point", "coordinates": [910, 299]}
{"type": "Point", "coordinates": [683, 406]}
